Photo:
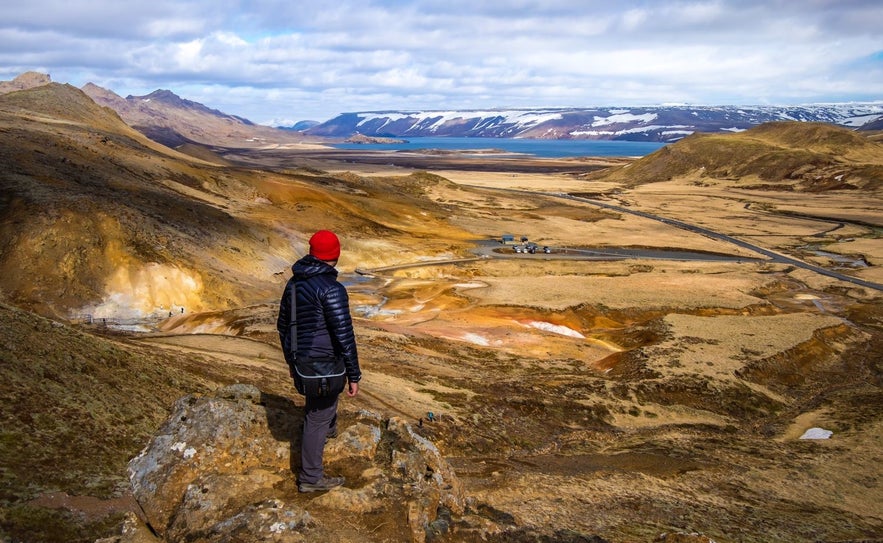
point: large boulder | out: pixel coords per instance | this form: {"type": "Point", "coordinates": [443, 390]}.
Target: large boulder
{"type": "Point", "coordinates": [222, 468]}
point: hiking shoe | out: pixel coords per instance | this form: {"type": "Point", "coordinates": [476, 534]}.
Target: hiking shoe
{"type": "Point", "coordinates": [323, 484]}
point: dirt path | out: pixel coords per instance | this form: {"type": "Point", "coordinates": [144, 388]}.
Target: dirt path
{"type": "Point", "coordinates": [229, 349]}
{"type": "Point", "coordinates": [238, 351]}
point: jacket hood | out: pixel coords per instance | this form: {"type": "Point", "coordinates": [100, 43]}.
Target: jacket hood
{"type": "Point", "coordinates": [310, 266]}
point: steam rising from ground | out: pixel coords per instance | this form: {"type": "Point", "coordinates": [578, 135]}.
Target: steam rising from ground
{"type": "Point", "coordinates": [556, 329]}
{"type": "Point", "coordinates": [149, 290]}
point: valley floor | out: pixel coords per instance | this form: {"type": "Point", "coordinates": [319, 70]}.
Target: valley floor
{"type": "Point", "coordinates": [629, 398]}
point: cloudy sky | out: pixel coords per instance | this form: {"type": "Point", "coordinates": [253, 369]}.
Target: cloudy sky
{"type": "Point", "coordinates": [274, 61]}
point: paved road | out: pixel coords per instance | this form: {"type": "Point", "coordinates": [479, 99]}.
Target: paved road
{"type": "Point", "coordinates": [492, 248]}
{"type": "Point", "coordinates": [488, 249]}
{"type": "Point", "coordinates": [772, 255]}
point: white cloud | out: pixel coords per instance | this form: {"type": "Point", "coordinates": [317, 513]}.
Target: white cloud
{"type": "Point", "coordinates": [311, 59]}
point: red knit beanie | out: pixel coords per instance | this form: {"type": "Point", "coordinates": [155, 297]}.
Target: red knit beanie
{"type": "Point", "coordinates": [324, 245]}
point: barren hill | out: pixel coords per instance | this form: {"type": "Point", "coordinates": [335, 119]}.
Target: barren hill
{"type": "Point", "coordinates": [171, 120]}
{"type": "Point", "coordinates": [91, 209]}
{"type": "Point", "coordinates": [25, 81]}
{"type": "Point", "coordinates": [789, 156]}
{"type": "Point", "coordinates": [91, 201]}
{"type": "Point", "coordinates": [61, 103]}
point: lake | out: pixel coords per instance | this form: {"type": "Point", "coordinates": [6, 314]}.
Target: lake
{"type": "Point", "coordinates": [538, 148]}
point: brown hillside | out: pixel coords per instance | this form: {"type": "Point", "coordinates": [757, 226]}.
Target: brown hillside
{"type": "Point", "coordinates": [27, 80]}
{"type": "Point", "coordinates": [82, 377]}
{"type": "Point", "coordinates": [785, 156]}
{"type": "Point", "coordinates": [87, 200]}
{"type": "Point", "coordinates": [817, 137]}
{"type": "Point", "coordinates": [93, 211]}
{"type": "Point", "coordinates": [168, 119]}
{"type": "Point", "coordinates": [77, 406]}
{"type": "Point", "coordinates": [60, 102]}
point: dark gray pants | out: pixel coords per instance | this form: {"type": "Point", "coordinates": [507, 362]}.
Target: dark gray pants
{"type": "Point", "coordinates": [320, 419]}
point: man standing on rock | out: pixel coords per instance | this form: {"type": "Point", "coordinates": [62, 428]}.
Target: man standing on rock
{"type": "Point", "coordinates": [317, 337]}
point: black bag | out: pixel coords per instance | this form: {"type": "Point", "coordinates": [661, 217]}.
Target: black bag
{"type": "Point", "coordinates": [317, 377]}
{"type": "Point", "coordinates": [314, 377]}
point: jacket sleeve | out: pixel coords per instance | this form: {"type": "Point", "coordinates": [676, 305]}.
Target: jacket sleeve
{"type": "Point", "coordinates": [283, 323]}
{"type": "Point", "coordinates": [340, 328]}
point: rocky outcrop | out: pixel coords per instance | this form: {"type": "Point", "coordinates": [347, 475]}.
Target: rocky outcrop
{"type": "Point", "coordinates": [220, 469]}
{"type": "Point", "coordinates": [361, 138]}
{"type": "Point", "coordinates": [27, 80]}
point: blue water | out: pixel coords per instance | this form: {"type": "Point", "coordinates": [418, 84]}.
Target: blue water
{"type": "Point", "coordinates": [537, 148]}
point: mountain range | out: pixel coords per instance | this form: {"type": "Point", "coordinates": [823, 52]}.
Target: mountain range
{"type": "Point", "coordinates": [166, 118]}
{"type": "Point", "coordinates": [173, 121]}
{"type": "Point", "coordinates": [652, 123]}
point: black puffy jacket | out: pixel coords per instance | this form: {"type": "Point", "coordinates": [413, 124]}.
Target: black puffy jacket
{"type": "Point", "coordinates": [324, 325]}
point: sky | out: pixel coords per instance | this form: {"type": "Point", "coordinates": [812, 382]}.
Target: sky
{"type": "Point", "coordinates": [281, 61]}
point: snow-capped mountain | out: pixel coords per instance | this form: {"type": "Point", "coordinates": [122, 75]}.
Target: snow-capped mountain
{"type": "Point", "coordinates": [654, 123]}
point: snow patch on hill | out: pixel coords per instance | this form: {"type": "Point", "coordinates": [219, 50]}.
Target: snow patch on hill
{"type": "Point", "coordinates": [624, 118]}
{"type": "Point", "coordinates": [650, 123]}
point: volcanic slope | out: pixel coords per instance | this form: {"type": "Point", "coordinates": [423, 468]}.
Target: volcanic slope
{"type": "Point", "coordinates": [97, 219]}
{"type": "Point", "coordinates": [100, 226]}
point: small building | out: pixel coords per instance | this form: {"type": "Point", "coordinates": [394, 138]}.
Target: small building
{"type": "Point", "coordinates": [507, 238]}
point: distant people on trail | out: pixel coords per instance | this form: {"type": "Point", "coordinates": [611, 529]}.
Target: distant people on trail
{"type": "Point", "coordinates": [316, 332]}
